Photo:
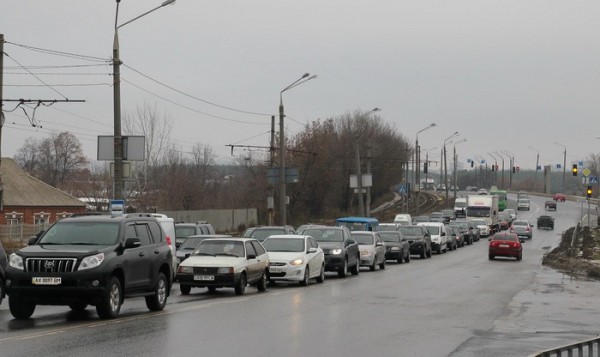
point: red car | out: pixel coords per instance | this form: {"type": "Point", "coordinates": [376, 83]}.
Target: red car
{"type": "Point", "coordinates": [559, 197]}
{"type": "Point", "coordinates": [506, 245]}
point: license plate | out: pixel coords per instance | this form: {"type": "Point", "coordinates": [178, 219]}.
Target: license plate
{"type": "Point", "coordinates": [204, 277]}
{"type": "Point", "coordinates": [275, 270]}
{"type": "Point", "coordinates": [46, 281]}
{"type": "Point", "coordinates": [504, 246]}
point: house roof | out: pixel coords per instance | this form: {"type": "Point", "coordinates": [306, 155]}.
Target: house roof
{"type": "Point", "coordinates": [22, 189]}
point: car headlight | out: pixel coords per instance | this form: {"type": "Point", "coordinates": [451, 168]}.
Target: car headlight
{"type": "Point", "coordinates": [365, 252]}
{"type": "Point", "coordinates": [336, 251]}
{"type": "Point", "coordinates": [395, 248]}
{"type": "Point", "coordinates": [185, 270]}
{"type": "Point", "coordinates": [225, 270]}
{"type": "Point", "coordinates": [91, 262]}
{"type": "Point", "coordinates": [298, 261]}
{"type": "Point", "coordinates": [16, 261]}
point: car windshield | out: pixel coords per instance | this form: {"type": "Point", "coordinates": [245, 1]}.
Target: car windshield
{"type": "Point", "coordinates": [435, 230]}
{"type": "Point", "coordinates": [260, 234]}
{"type": "Point", "coordinates": [411, 231]}
{"type": "Point", "coordinates": [191, 243]}
{"type": "Point", "coordinates": [461, 226]}
{"type": "Point", "coordinates": [220, 247]}
{"type": "Point", "coordinates": [389, 236]}
{"type": "Point", "coordinates": [184, 232]}
{"type": "Point", "coordinates": [363, 238]}
{"type": "Point", "coordinates": [460, 204]}
{"type": "Point", "coordinates": [480, 223]}
{"type": "Point", "coordinates": [525, 200]}
{"type": "Point", "coordinates": [387, 227]}
{"type": "Point", "coordinates": [510, 237]}
{"type": "Point", "coordinates": [478, 211]}
{"type": "Point", "coordinates": [81, 233]}
{"type": "Point", "coordinates": [325, 235]}
{"type": "Point", "coordinates": [436, 215]}
{"type": "Point", "coordinates": [353, 226]}
{"type": "Point", "coordinates": [284, 244]}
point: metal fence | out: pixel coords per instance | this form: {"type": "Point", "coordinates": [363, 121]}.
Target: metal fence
{"type": "Point", "coordinates": [17, 235]}
{"type": "Point", "coordinates": [587, 348]}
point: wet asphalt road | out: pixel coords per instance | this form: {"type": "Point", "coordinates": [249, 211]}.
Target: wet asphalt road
{"type": "Point", "coordinates": [458, 304]}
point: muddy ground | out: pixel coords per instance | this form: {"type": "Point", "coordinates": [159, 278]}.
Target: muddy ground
{"type": "Point", "coordinates": [577, 255]}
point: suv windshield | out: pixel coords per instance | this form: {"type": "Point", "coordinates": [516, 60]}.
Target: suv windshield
{"type": "Point", "coordinates": [84, 233]}
{"type": "Point", "coordinates": [389, 236]}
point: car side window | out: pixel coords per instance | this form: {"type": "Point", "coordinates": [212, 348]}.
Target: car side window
{"type": "Point", "coordinates": [313, 243]}
{"type": "Point", "coordinates": [258, 248]}
{"type": "Point", "coordinates": [130, 231]}
{"type": "Point", "coordinates": [156, 231]}
{"type": "Point", "coordinates": [250, 249]}
{"type": "Point", "coordinates": [143, 232]}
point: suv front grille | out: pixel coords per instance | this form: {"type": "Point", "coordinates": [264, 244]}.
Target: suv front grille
{"type": "Point", "coordinates": [46, 265]}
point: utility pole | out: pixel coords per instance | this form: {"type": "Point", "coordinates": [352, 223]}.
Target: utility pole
{"type": "Point", "coordinates": [272, 164]}
{"type": "Point", "coordinates": [1, 109]}
{"type": "Point", "coordinates": [358, 177]}
{"type": "Point", "coordinates": [369, 172]}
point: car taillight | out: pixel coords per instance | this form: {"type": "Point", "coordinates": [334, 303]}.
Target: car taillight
{"type": "Point", "coordinates": [168, 241]}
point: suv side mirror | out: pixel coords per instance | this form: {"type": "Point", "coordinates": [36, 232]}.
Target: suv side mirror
{"type": "Point", "coordinates": [350, 242]}
{"type": "Point", "coordinates": [32, 240]}
{"type": "Point", "coordinates": [132, 243]}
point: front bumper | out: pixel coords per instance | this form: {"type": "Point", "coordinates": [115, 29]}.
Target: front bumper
{"type": "Point", "coordinates": [218, 280]}
{"type": "Point", "coordinates": [286, 272]}
{"type": "Point", "coordinates": [334, 262]}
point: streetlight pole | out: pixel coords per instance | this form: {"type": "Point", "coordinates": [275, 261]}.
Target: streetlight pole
{"type": "Point", "coordinates": [455, 159]}
{"type": "Point", "coordinates": [368, 214]}
{"type": "Point", "coordinates": [445, 165]}
{"type": "Point", "coordinates": [564, 165]}
{"type": "Point", "coordinates": [282, 186]}
{"type": "Point", "coordinates": [417, 187]}
{"type": "Point", "coordinates": [511, 156]}
{"type": "Point", "coordinates": [495, 168]}
{"type": "Point", "coordinates": [537, 162]}
{"type": "Point", "coordinates": [118, 139]}
{"type": "Point", "coordinates": [502, 157]}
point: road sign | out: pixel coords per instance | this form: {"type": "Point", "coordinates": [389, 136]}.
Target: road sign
{"type": "Point", "coordinates": [517, 168]}
{"type": "Point", "coordinates": [402, 189]}
{"type": "Point", "coordinates": [586, 172]}
{"type": "Point", "coordinates": [593, 179]}
{"type": "Point", "coordinates": [117, 207]}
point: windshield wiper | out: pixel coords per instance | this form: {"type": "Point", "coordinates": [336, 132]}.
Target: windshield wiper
{"type": "Point", "coordinates": [228, 254]}
{"type": "Point", "coordinates": [212, 255]}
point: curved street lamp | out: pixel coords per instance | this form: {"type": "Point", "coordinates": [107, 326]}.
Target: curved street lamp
{"type": "Point", "coordinates": [455, 159]}
{"type": "Point", "coordinates": [359, 176]}
{"type": "Point", "coordinates": [564, 165]}
{"type": "Point", "coordinates": [417, 164]}
{"type": "Point", "coordinates": [282, 186]}
{"type": "Point", "coordinates": [118, 139]}
{"type": "Point", "coordinates": [537, 163]}
{"type": "Point", "coordinates": [445, 164]}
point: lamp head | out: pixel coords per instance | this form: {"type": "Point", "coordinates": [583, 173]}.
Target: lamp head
{"type": "Point", "coordinates": [167, 2]}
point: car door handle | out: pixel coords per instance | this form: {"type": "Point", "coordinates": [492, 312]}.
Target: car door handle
{"type": "Point", "coordinates": [156, 251]}
{"type": "Point", "coordinates": [141, 254]}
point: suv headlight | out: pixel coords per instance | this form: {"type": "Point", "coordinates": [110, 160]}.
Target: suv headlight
{"type": "Point", "coordinates": [336, 251]}
{"type": "Point", "coordinates": [91, 262]}
{"type": "Point", "coordinates": [16, 261]}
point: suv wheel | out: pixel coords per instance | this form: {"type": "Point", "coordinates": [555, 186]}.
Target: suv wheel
{"type": "Point", "coordinates": [110, 306]}
{"type": "Point", "coordinates": [356, 268]}
{"type": "Point", "coordinates": [1, 289]}
{"type": "Point", "coordinates": [382, 265]}
{"type": "Point", "coordinates": [343, 271]}
{"type": "Point", "coordinates": [158, 300]}
{"type": "Point", "coordinates": [262, 282]}
{"type": "Point", "coordinates": [19, 309]}
{"type": "Point", "coordinates": [240, 287]}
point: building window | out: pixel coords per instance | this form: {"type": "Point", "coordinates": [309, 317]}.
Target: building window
{"type": "Point", "coordinates": [61, 215]}
{"type": "Point", "coordinates": [13, 218]}
{"type": "Point", "coordinates": [41, 219]}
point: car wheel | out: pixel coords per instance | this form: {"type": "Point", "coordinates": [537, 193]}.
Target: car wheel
{"type": "Point", "coordinates": [321, 277]}
{"type": "Point", "coordinates": [343, 271]}
{"type": "Point", "coordinates": [373, 266]}
{"type": "Point", "coordinates": [429, 253]}
{"type": "Point", "coordinates": [185, 289]}
{"type": "Point", "coordinates": [21, 310]}
{"type": "Point", "coordinates": [401, 258]}
{"type": "Point", "coordinates": [439, 249]}
{"type": "Point", "coordinates": [491, 257]}
{"type": "Point", "coordinates": [305, 279]}
{"type": "Point", "coordinates": [240, 287]}
{"type": "Point", "coordinates": [520, 257]}
{"type": "Point", "coordinates": [356, 268]}
{"type": "Point", "coordinates": [262, 282]}
{"type": "Point", "coordinates": [158, 300]}
{"type": "Point", "coordinates": [110, 305]}
{"type": "Point", "coordinates": [78, 306]}
{"type": "Point", "coordinates": [382, 265]}
{"type": "Point", "coordinates": [423, 253]}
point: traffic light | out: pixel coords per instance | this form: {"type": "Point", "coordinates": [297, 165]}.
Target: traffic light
{"type": "Point", "coordinates": [589, 192]}
{"type": "Point", "coordinates": [493, 166]}
{"type": "Point", "coordinates": [425, 167]}
{"type": "Point", "coordinates": [471, 163]}
{"type": "Point", "coordinates": [514, 170]}
{"type": "Point", "coordinates": [574, 170]}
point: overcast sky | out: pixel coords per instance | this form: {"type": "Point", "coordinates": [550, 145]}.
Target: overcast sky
{"type": "Point", "coordinates": [505, 74]}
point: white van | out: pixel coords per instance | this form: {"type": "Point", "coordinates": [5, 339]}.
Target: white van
{"type": "Point", "coordinates": [439, 240]}
{"type": "Point", "coordinates": [403, 218]}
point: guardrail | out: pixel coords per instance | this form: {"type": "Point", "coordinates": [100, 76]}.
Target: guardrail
{"type": "Point", "coordinates": [578, 349]}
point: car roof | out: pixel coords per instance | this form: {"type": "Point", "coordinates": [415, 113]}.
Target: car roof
{"type": "Point", "coordinates": [289, 236]}
{"type": "Point", "coordinates": [357, 219]}
{"type": "Point", "coordinates": [210, 236]}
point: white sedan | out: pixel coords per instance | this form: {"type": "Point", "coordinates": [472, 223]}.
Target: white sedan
{"type": "Point", "coordinates": [295, 258]}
